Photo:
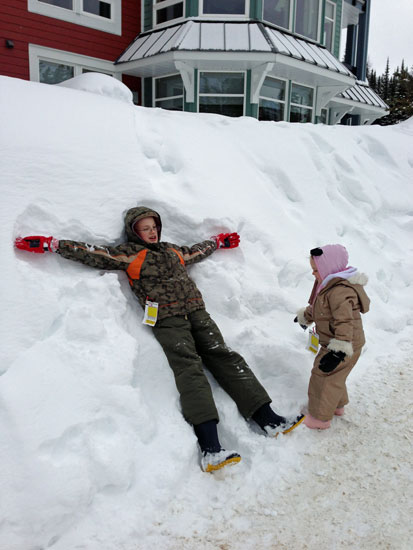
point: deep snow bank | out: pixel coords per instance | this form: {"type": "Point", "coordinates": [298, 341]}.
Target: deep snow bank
{"type": "Point", "coordinates": [94, 448]}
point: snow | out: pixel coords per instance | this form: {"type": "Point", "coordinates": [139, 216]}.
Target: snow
{"type": "Point", "coordinates": [94, 452]}
{"type": "Point", "coordinates": [100, 84]}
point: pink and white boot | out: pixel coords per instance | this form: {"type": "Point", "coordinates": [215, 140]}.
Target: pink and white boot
{"type": "Point", "coordinates": [315, 424]}
{"type": "Point", "coordinates": [339, 411]}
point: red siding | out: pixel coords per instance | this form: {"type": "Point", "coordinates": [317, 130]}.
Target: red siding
{"type": "Point", "coordinates": [24, 28]}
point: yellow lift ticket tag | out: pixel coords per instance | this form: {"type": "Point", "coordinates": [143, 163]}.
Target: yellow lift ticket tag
{"type": "Point", "coordinates": [313, 341]}
{"type": "Point", "coordinates": [151, 313]}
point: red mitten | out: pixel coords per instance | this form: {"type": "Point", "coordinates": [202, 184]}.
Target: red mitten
{"type": "Point", "coordinates": [37, 244]}
{"type": "Point", "coordinates": [226, 240]}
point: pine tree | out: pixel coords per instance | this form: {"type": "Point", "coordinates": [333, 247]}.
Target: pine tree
{"type": "Point", "coordinates": [386, 81]}
{"type": "Point", "coordinates": [397, 91]}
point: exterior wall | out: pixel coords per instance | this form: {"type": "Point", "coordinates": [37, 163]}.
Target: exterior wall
{"type": "Point", "coordinates": [24, 28]}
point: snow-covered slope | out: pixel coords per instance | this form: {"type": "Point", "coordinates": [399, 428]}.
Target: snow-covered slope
{"type": "Point", "coordinates": [94, 452]}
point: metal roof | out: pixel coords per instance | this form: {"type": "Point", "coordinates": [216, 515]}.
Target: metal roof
{"type": "Point", "coordinates": [207, 36]}
{"type": "Point", "coordinates": [362, 93]}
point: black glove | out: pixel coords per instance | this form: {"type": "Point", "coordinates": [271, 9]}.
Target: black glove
{"type": "Point", "coordinates": [331, 360]}
{"type": "Point", "coordinates": [304, 327]}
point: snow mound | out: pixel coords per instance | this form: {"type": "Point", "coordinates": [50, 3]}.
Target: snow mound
{"type": "Point", "coordinates": [100, 84]}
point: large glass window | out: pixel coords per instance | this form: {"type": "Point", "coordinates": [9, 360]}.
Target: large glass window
{"type": "Point", "coordinates": [272, 99]}
{"type": "Point", "coordinates": [103, 15]}
{"type": "Point", "coordinates": [222, 93]}
{"type": "Point", "coordinates": [233, 7]}
{"type": "Point", "coordinates": [54, 66]}
{"type": "Point", "coordinates": [169, 92]}
{"type": "Point", "coordinates": [307, 18]}
{"type": "Point", "coordinates": [302, 99]}
{"type": "Point", "coordinates": [54, 73]}
{"type": "Point", "coordinates": [277, 12]}
{"type": "Point", "coordinates": [168, 10]}
{"type": "Point", "coordinates": [329, 25]}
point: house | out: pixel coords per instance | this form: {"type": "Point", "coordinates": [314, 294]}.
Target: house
{"type": "Point", "coordinates": [269, 59]}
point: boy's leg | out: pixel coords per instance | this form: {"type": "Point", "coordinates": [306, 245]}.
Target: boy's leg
{"type": "Point", "coordinates": [174, 335]}
{"type": "Point", "coordinates": [227, 366]}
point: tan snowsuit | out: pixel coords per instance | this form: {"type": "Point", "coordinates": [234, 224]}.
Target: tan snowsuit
{"type": "Point", "coordinates": [336, 313]}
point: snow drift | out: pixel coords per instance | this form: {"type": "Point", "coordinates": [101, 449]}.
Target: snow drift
{"type": "Point", "coordinates": [94, 451]}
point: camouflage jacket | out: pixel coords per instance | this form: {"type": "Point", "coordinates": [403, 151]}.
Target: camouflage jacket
{"type": "Point", "coordinates": [156, 271]}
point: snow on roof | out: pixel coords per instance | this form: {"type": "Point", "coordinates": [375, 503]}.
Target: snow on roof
{"type": "Point", "coordinates": [230, 37]}
{"type": "Point", "coordinates": [362, 93]}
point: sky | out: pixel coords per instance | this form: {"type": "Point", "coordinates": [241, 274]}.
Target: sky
{"type": "Point", "coordinates": [391, 34]}
{"type": "Point", "coordinates": [94, 451]}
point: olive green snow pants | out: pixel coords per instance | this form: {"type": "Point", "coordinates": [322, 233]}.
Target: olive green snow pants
{"type": "Point", "coordinates": [327, 391]}
{"type": "Point", "coordinates": [193, 339]}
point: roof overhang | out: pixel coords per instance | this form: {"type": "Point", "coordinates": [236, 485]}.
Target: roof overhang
{"type": "Point", "coordinates": [228, 46]}
{"type": "Point", "coordinates": [360, 100]}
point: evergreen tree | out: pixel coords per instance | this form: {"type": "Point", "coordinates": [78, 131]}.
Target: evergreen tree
{"type": "Point", "coordinates": [397, 92]}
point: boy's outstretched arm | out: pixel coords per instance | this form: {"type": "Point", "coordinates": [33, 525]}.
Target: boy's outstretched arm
{"type": "Point", "coordinates": [100, 257]}
{"type": "Point", "coordinates": [200, 251]}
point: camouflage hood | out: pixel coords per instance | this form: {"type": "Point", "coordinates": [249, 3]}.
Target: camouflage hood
{"type": "Point", "coordinates": [135, 214]}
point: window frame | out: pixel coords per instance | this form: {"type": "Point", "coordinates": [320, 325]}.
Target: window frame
{"type": "Point", "coordinates": [320, 13]}
{"type": "Point", "coordinates": [326, 18]}
{"type": "Point", "coordinates": [290, 18]}
{"type": "Point", "coordinates": [78, 16]}
{"type": "Point", "coordinates": [244, 94]}
{"type": "Point", "coordinates": [283, 101]}
{"type": "Point", "coordinates": [292, 104]}
{"type": "Point", "coordinates": [225, 16]}
{"type": "Point", "coordinates": [157, 6]}
{"type": "Point", "coordinates": [77, 61]}
{"type": "Point", "coordinates": [154, 99]}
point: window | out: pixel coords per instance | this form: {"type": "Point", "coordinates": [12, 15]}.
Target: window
{"type": "Point", "coordinates": [167, 10]}
{"type": "Point", "coordinates": [272, 99]}
{"type": "Point", "coordinates": [224, 7]}
{"type": "Point", "coordinates": [53, 66]}
{"type": "Point", "coordinates": [301, 109]}
{"type": "Point", "coordinates": [169, 92]}
{"type": "Point", "coordinates": [323, 118]}
{"type": "Point", "coordinates": [307, 18]}
{"type": "Point", "coordinates": [222, 93]}
{"type": "Point", "coordinates": [277, 12]}
{"type": "Point", "coordinates": [97, 8]}
{"type": "Point", "coordinates": [53, 73]}
{"type": "Point", "coordinates": [329, 25]}
{"type": "Point", "coordinates": [103, 15]}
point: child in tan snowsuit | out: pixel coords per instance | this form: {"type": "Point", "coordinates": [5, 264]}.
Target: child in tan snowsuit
{"type": "Point", "coordinates": [337, 299]}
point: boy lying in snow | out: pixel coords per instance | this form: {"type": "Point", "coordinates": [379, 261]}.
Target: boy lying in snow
{"type": "Point", "coordinates": [176, 311]}
{"type": "Point", "coordinates": [337, 299]}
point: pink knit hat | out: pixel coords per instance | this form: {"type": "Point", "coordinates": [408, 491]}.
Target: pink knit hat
{"type": "Point", "coordinates": [331, 258]}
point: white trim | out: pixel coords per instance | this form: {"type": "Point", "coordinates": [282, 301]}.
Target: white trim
{"type": "Point", "coordinates": [324, 95]}
{"type": "Point", "coordinates": [188, 78]}
{"type": "Point", "coordinates": [219, 16]}
{"type": "Point", "coordinates": [157, 6]}
{"type": "Point", "coordinates": [243, 95]}
{"type": "Point", "coordinates": [77, 16]}
{"type": "Point", "coordinates": [258, 75]}
{"type": "Point", "coordinates": [79, 62]}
